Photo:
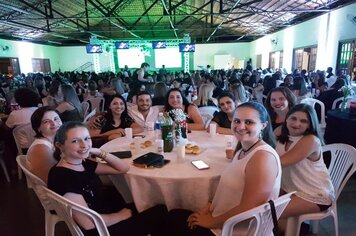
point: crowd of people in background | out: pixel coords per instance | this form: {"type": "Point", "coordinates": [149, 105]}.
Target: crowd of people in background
{"type": "Point", "coordinates": [257, 106]}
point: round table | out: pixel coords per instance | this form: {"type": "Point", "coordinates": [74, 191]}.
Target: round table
{"type": "Point", "coordinates": [340, 127]}
{"type": "Point", "coordinates": [178, 184]}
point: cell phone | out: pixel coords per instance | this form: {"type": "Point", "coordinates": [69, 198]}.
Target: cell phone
{"type": "Point", "coordinates": [122, 154]}
{"type": "Point", "coordinates": [200, 165]}
{"type": "Point", "coordinates": [138, 135]}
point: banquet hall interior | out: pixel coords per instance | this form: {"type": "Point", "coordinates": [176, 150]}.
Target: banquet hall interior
{"type": "Point", "coordinates": [181, 44]}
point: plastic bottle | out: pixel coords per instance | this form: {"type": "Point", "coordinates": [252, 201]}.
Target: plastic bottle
{"type": "Point", "coordinates": [167, 133]}
{"type": "Point", "coordinates": [160, 119]}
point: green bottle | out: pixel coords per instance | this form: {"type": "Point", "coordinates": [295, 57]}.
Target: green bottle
{"type": "Point", "coordinates": [167, 133]}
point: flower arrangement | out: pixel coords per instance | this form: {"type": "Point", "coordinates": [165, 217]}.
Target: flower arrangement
{"type": "Point", "coordinates": [180, 121]}
{"type": "Point", "coordinates": [347, 91]}
{"type": "Point", "coordinates": [178, 115]}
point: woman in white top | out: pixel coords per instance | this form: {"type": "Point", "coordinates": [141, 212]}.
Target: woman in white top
{"type": "Point", "coordinates": [45, 122]}
{"type": "Point", "coordinates": [252, 178]}
{"type": "Point", "coordinates": [304, 171]}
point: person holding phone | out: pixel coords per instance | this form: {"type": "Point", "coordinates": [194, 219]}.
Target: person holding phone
{"type": "Point", "coordinates": [252, 178]}
{"type": "Point", "coordinates": [76, 177]}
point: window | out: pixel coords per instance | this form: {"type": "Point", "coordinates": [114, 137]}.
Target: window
{"type": "Point", "coordinates": [346, 59]}
{"type": "Point", "coordinates": [41, 65]}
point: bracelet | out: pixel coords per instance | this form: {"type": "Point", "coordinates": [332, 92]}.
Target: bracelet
{"type": "Point", "coordinates": [102, 155]}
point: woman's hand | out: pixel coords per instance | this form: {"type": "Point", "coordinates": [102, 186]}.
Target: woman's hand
{"type": "Point", "coordinates": [205, 220]}
{"type": "Point", "coordinates": [95, 122]}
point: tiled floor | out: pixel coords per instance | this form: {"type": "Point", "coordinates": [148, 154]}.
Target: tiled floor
{"type": "Point", "coordinates": [21, 213]}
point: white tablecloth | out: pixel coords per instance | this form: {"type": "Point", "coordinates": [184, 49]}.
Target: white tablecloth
{"type": "Point", "coordinates": [178, 184]}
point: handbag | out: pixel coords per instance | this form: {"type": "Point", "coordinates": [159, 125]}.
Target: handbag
{"type": "Point", "coordinates": [274, 218]}
{"type": "Point", "coordinates": [148, 160]}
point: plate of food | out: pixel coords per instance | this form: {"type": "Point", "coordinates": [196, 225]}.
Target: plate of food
{"type": "Point", "coordinates": [193, 149]}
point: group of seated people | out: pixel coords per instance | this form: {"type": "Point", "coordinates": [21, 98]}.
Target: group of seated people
{"type": "Point", "coordinates": [278, 151]}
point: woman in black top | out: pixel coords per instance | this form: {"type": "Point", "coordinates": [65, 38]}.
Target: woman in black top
{"type": "Point", "coordinates": [75, 177]}
{"type": "Point", "coordinates": [114, 122]}
{"type": "Point", "coordinates": [224, 117]}
{"type": "Point", "coordinates": [176, 100]}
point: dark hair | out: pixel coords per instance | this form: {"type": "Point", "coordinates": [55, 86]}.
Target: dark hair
{"type": "Point", "coordinates": [168, 107]}
{"type": "Point", "coordinates": [124, 115]}
{"type": "Point", "coordinates": [61, 135]}
{"type": "Point", "coordinates": [92, 86]}
{"type": "Point", "coordinates": [226, 94]}
{"type": "Point", "coordinates": [53, 87]}
{"type": "Point", "coordinates": [144, 64]}
{"type": "Point", "coordinates": [143, 93]}
{"type": "Point", "coordinates": [299, 84]}
{"type": "Point", "coordinates": [160, 89]}
{"type": "Point", "coordinates": [36, 118]}
{"type": "Point", "coordinates": [313, 129]}
{"type": "Point", "coordinates": [26, 97]}
{"type": "Point", "coordinates": [287, 93]}
{"type": "Point", "coordinates": [267, 133]}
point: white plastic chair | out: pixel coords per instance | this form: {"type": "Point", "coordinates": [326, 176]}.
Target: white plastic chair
{"type": "Point", "coordinates": [96, 103]}
{"type": "Point", "coordinates": [337, 103]}
{"type": "Point", "coordinates": [207, 113]}
{"type": "Point", "coordinates": [90, 115]}
{"type": "Point", "coordinates": [85, 108]}
{"type": "Point", "coordinates": [312, 102]}
{"type": "Point", "coordinates": [261, 214]}
{"type": "Point", "coordinates": [50, 219]}
{"type": "Point", "coordinates": [341, 168]}
{"type": "Point", "coordinates": [24, 136]}
{"type": "Point", "coordinates": [65, 208]}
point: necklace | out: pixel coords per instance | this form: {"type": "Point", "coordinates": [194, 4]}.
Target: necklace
{"type": "Point", "coordinates": [73, 164]}
{"type": "Point", "coordinates": [248, 149]}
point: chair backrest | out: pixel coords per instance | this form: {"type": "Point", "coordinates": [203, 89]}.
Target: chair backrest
{"type": "Point", "coordinates": [65, 208]}
{"type": "Point", "coordinates": [342, 164]}
{"type": "Point", "coordinates": [96, 103]}
{"type": "Point", "coordinates": [261, 214]}
{"type": "Point", "coordinates": [24, 136]}
{"type": "Point", "coordinates": [35, 182]}
{"type": "Point", "coordinates": [207, 113]}
{"type": "Point", "coordinates": [312, 102]}
{"type": "Point", "coordinates": [85, 108]}
{"type": "Point", "coordinates": [90, 115]}
{"type": "Point", "coordinates": [337, 103]}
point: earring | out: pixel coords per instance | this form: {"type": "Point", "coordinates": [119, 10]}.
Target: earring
{"type": "Point", "coordinates": [261, 134]}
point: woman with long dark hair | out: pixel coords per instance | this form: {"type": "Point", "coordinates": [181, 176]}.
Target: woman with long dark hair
{"type": "Point", "coordinates": [251, 179]}
{"type": "Point", "coordinates": [304, 171]}
{"type": "Point", "coordinates": [176, 100]}
{"type": "Point", "coordinates": [114, 122]}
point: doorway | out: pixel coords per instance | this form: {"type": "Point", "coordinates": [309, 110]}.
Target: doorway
{"type": "Point", "coordinates": [9, 66]}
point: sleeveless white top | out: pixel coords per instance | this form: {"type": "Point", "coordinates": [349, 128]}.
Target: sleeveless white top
{"type": "Point", "coordinates": [229, 191]}
{"type": "Point", "coordinates": [37, 142]}
{"type": "Point", "coordinates": [309, 178]}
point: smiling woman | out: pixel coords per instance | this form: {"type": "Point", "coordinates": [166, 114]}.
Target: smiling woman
{"type": "Point", "coordinates": [114, 122]}
{"type": "Point", "coordinates": [45, 122]}
{"type": "Point", "coordinates": [304, 170]}
{"type": "Point", "coordinates": [75, 177]}
{"type": "Point", "coordinates": [278, 102]}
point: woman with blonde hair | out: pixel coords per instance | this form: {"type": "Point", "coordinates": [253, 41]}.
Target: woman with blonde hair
{"type": "Point", "coordinates": [205, 96]}
{"type": "Point", "coordinates": [237, 89]}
